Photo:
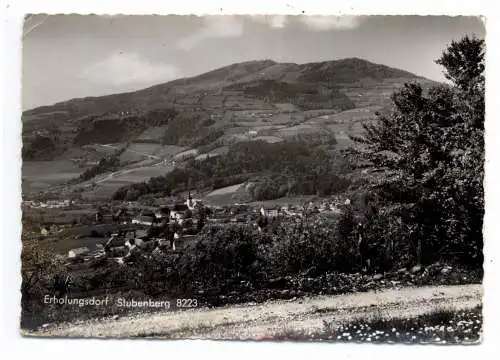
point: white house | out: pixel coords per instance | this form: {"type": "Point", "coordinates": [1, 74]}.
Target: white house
{"type": "Point", "coordinates": [143, 220]}
{"type": "Point", "coordinates": [176, 216]}
{"type": "Point", "coordinates": [272, 212]}
{"type": "Point", "coordinates": [335, 209]}
{"type": "Point", "coordinates": [78, 252]}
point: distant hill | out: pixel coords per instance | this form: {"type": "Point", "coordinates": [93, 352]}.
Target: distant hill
{"type": "Point", "coordinates": [262, 99]}
{"type": "Point", "coordinates": [335, 73]}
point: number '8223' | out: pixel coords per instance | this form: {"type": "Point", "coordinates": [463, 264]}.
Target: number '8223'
{"type": "Point", "coordinates": [186, 303]}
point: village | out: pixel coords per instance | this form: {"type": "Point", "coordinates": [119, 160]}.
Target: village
{"type": "Point", "coordinates": [127, 232]}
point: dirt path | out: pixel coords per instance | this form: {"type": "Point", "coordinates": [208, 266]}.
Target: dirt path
{"type": "Point", "coordinates": [257, 321]}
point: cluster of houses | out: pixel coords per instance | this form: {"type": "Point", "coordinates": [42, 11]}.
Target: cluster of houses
{"type": "Point", "coordinates": [167, 228]}
{"type": "Point", "coordinates": [327, 207]}
{"type": "Point", "coordinates": [49, 204]}
{"type": "Point", "coordinates": [149, 232]}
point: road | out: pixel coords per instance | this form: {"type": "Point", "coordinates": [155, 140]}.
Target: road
{"type": "Point", "coordinates": [258, 321]}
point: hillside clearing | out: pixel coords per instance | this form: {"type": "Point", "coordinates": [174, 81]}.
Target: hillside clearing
{"type": "Point", "coordinates": [225, 191]}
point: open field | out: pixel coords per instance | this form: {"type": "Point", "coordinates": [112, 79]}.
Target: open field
{"type": "Point", "coordinates": [220, 150]}
{"type": "Point", "coordinates": [284, 119]}
{"type": "Point", "coordinates": [267, 320]}
{"type": "Point", "coordinates": [297, 130]}
{"type": "Point", "coordinates": [105, 185]}
{"type": "Point", "coordinates": [269, 139]}
{"type": "Point", "coordinates": [140, 151]}
{"type": "Point", "coordinates": [226, 191]}
{"type": "Point", "coordinates": [105, 149]}
{"type": "Point", "coordinates": [136, 174]}
{"type": "Point", "coordinates": [288, 107]}
{"type": "Point", "coordinates": [154, 133]}
{"type": "Point", "coordinates": [36, 177]}
{"type": "Point", "coordinates": [227, 195]}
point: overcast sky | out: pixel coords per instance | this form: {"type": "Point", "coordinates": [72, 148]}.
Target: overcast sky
{"type": "Point", "coordinates": [68, 56]}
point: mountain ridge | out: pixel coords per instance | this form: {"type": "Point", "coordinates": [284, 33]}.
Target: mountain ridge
{"type": "Point", "coordinates": [180, 81]}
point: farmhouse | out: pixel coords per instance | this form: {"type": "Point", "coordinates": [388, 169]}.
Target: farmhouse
{"type": "Point", "coordinates": [78, 252]}
{"type": "Point", "coordinates": [143, 220]}
{"type": "Point", "coordinates": [269, 212]}
{"type": "Point", "coordinates": [335, 209]}
{"type": "Point", "coordinates": [119, 239]}
{"type": "Point", "coordinates": [163, 212]}
{"type": "Point", "coordinates": [273, 212]}
{"type": "Point", "coordinates": [175, 215]}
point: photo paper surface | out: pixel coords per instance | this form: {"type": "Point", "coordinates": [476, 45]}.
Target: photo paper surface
{"type": "Point", "coordinates": [253, 177]}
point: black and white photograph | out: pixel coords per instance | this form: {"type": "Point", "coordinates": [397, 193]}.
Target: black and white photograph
{"type": "Point", "coordinates": [253, 177]}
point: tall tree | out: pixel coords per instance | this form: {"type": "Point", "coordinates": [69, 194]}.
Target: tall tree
{"type": "Point", "coordinates": [432, 148]}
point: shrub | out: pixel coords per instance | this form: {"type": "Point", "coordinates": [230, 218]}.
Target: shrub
{"type": "Point", "coordinates": [313, 246]}
{"type": "Point", "coordinates": [221, 257]}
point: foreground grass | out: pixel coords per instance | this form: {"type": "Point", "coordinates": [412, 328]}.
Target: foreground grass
{"type": "Point", "coordinates": [438, 327]}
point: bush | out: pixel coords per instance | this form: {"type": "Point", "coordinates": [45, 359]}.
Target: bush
{"type": "Point", "coordinates": [309, 246]}
{"type": "Point", "coordinates": [221, 257]}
